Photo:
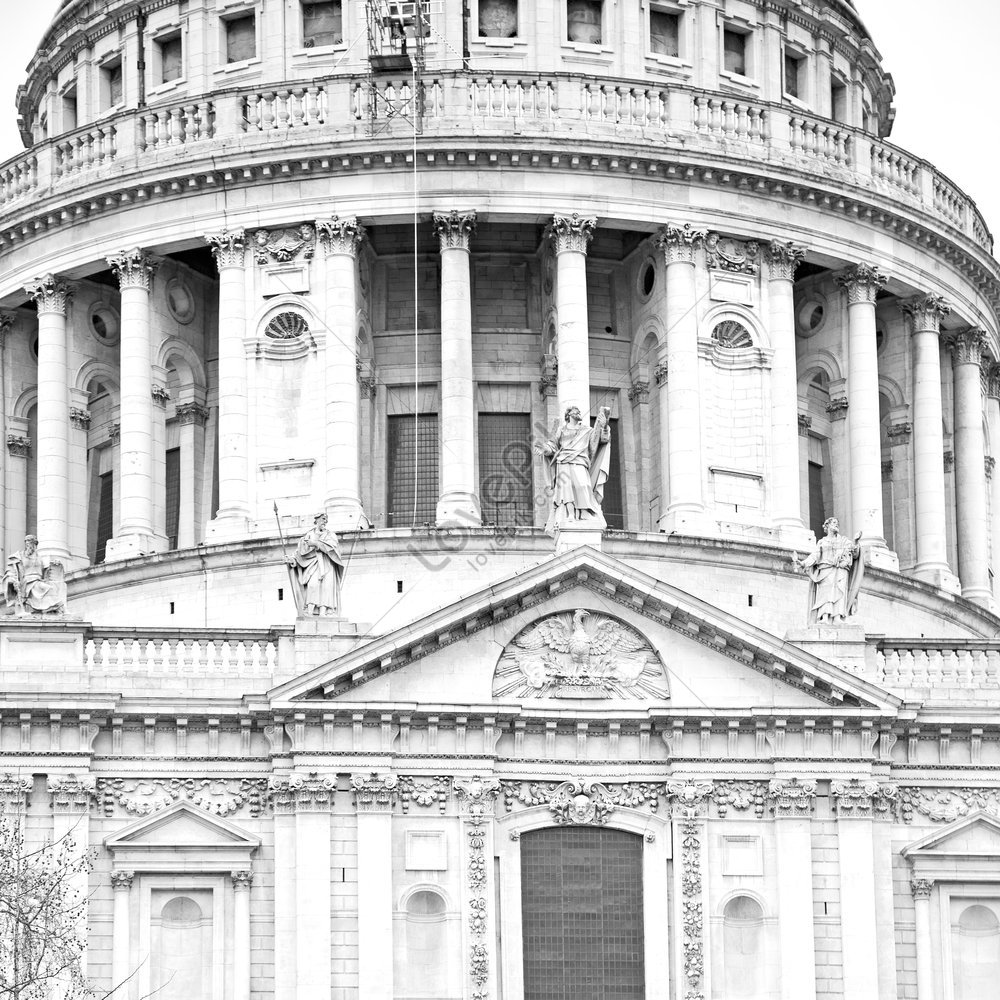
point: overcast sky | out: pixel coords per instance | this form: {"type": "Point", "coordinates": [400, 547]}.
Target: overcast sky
{"type": "Point", "coordinates": [941, 56]}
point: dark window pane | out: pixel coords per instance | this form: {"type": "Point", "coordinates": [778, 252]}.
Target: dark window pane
{"type": "Point", "coordinates": [498, 18]}
{"type": "Point", "coordinates": [735, 46]}
{"type": "Point", "coordinates": [173, 477]}
{"type": "Point", "coordinates": [791, 75]}
{"type": "Point", "coordinates": [614, 509]}
{"type": "Point", "coordinates": [171, 59]}
{"type": "Point", "coordinates": [505, 469]}
{"type": "Point", "coordinates": [114, 78]}
{"type": "Point", "coordinates": [412, 479]}
{"type": "Point", "coordinates": [664, 33]}
{"type": "Point", "coordinates": [582, 914]}
{"type": "Point", "coordinates": [583, 19]}
{"type": "Point", "coordinates": [817, 509]}
{"type": "Point", "coordinates": [241, 39]}
{"type": "Point", "coordinates": [322, 24]}
{"type": "Point", "coordinates": [105, 515]}
{"type": "Point", "coordinates": [31, 493]}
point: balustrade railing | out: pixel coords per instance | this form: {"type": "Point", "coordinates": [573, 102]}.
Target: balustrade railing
{"type": "Point", "coordinates": [914, 664]}
{"type": "Point", "coordinates": [198, 654]}
{"type": "Point", "coordinates": [754, 130]}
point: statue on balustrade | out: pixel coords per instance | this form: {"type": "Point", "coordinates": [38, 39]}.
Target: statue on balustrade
{"type": "Point", "coordinates": [579, 459]}
{"type": "Point", "coordinates": [835, 569]}
{"type": "Point", "coordinates": [32, 586]}
{"type": "Point", "coordinates": [316, 570]}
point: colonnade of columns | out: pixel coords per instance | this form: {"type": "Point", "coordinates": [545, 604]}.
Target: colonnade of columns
{"type": "Point", "coordinates": [686, 510]}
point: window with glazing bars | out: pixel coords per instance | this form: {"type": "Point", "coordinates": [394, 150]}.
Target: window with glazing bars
{"type": "Point", "coordinates": [105, 515]}
{"type": "Point", "coordinates": [614, 511]}
{"type": "Point", "coordinates": [412, 470]}
{"type": "Point", "coordinates": [173, 478]}
{"type": "Point", "coordinates": [505, 469]}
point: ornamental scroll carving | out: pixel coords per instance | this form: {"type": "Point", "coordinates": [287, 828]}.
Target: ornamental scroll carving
{"type": "Point", "coordinates": [282, 246]}
{"type": "Point", "coordinates": [692, 914]}
{"type": "Point", "coordinates": [945, 805]}
{"type": "Point", "coordinates": [580, 654]}
{"type": "Point", "coordinates": [218, 796]}
{"type": "Point", "coordinates": [725, 254]}
{"type": "Point", "coordinates": [581, 803]}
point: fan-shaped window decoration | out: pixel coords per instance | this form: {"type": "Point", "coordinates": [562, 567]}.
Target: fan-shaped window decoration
{"type": "Point", "coordinates": [731, 334]}
{"type": "Point", "coordinates": [287, 326]}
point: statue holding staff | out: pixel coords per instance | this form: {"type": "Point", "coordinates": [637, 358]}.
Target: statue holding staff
{"type": "Point", "coordinates": [316, 570]}
{"type": "Point", "coordinates": [835, 569]}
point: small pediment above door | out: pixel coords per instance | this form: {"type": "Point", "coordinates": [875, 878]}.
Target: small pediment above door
{"type": "Point", "coordinates": [967, 850]}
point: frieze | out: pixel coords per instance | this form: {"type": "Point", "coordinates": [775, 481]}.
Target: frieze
{"type": "Point", "coordinates": [218, 796]}
{"type": "Point", "coordinates": [580, 654]}
{"type": "Point", "coordinates": [581, 802]}
{"type": "Point", "coordinates": [945, 805]}
{"type": "Point", "coordinates": [282, 246]}
{"type": "Point", "coordinates": [725, 254]}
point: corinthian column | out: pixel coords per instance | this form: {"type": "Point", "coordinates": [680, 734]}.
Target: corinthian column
{"type": "Point", "coordinates": [926, 313]}
{"type": "Point", "coordinates": [52, 295]}
{"type": "Point", "coordinates": [992, 475]}
{"type": "Point", "coordinates": [970, 471]}
{"type": "Point", "coordinates": [862, 283]}
{"type": "Point", "coordinates": [783, 259]}
{"type": "Point", "coordinates": [232, 519]}
{"type": "Point", "coordinates": [135, 535]}
{"type": "Point", "coordinates": [570, 236]}
{"type": "Point", "coordinates": [458, 503]}
{"type": "Point", "coordinates": [686, 513]}
{"type": "Point", "coordinates": [340, 239]}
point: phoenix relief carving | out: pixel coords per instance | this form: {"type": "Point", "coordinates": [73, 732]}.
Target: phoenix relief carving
{"type": "Point", "coordinates": [580, 654]}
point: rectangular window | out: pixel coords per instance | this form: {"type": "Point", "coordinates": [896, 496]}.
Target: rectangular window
{"type": "Point", "coordinates": [584, 19]}
{"type": "Point", "coordinates": [793, 74]}
{"type": "Point", "coordinates": [322, 24]}
{"type": "Point", "coordinates": [664, 33]}
{"type": "Point", "coordinates": [105, 515]}
{"type": "Point", "coordinates": [838, 101]}
{"type": "Point", "coordinates": [498, 18]}
{"type": "Point", "coordinates": [111, 85]}
{"type": "Point", "coordinates": [734, 46]}
{"type": "Point", "coordinates": [241, 38]}
{"type": "Point", "coordinates": [173, 482]}
{"type": "Point", "coordinates": [69, 110]}
{"type": "Point", "coordinates": [817, 507]}
{"type": "Point", "coordinates": [613, 508]}
{"type": "Point", "coordinates": [171, 58]}
{"type": "Point", "coordinates": [505, 469]}
{"type": "Point", "coordinates": [412, 473]}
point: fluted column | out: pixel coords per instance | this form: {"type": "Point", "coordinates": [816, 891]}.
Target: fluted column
{"type": "Point", "coordinates": [921, 889]}
{"type": "Point", "coordinates": [135, 534]}
{"type": "Point", "coordinates": [926, 313]}
{"type": "Point", "coordinates": [341, 238]}
{"type": "Point", "coordinates": [459, 502]}
{"type": "Point", "coordinates": [571, 234]}
{"type": "Point", "coordinates": [242, 880]}
{"type": "Point", "coordinates": [862, 283]}
{"type": "Point", "coordinates": [232, 518]}
{"type": "Point", "coordinates": [685, 512]}
{"type": "Point", "coordinates": [970, 472]}
{"type": "Point", "coordinates": [783, 259]}
{"type": "Point", "coordinates": [992, 475]}
{"type": "Point", "coordinates": [121, 885]}
{"type": "Point", "coordinates": [52, 295]}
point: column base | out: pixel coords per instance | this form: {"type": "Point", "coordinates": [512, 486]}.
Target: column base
{"type": "Point", "coordinates": [457, 509]}
{"type": "Point", "coordinates": [980, 596]}
{"type": "Point", "coordinates": [572, 535]}
{"type": "Point", "coordinates": [689, 522]}
{"type": "Point", "coordinates": [346, 515]}
{"type": "Point", "coordinates": [938, 576]}
{"type": "Point", "coordinates": [843, 645]}
{"type": "Point", "coordinates": [880, 557]}
{"type": "Point", "coordinates": [134, 546]}
{"type": "Point", "coordinates": [227, 528]}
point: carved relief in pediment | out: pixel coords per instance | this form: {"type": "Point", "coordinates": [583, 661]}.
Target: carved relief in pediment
{"type": "Point", "coordinates": [580, 654]}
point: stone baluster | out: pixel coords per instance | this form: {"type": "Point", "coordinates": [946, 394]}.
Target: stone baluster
{"type": "Point", "coordinates": [970, 469]}
{"type": "Point", "coordinates": [341, 238]}
{"type": "Point", "coordinates": [232, 519]}
{"type": "Point", "coordinates": [571, 235]}
{"type": "Point", "coordinates": [926, 313]}
{"type": "Point", "coordinates": [686, 512]}
{"type": "Point", "coordinates": [783, 259]}
{"type": "Point", "coordinates": [459, 503]}
{"type": "Point", "coordinates": [52, 297]}
{"type": "Point", "coordinates": [135, 534]}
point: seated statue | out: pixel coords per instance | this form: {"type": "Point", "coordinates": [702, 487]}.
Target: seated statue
{"type": "Point", "coordinates": [316, 571]}
{"type": "Point", "coordinates": [31, 586]}
{"type": "Point", "coordinates": [835, 570]}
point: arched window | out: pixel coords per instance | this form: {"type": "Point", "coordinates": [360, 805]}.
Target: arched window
{"type": "Point", "coordinates": [424, 955]}
{"type": "Point", "coordinates": [976, 953]}
{"type": "Point", "coordinates": [743, 948]}
{"type": "Point", "coordinates": [732, 335]}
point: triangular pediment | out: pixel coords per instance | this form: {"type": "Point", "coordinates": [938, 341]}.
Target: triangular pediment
{"type": "Point", "coordinates": [707, 656]}
{"type": "Point", "coordinates": [974, 836]}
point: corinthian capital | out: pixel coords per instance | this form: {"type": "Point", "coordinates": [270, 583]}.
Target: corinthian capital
{"type": "Point", "coordinates": [679, 243]}
{"type": "Point", "coordinates": [133, 268]}
{"type": "Point", "coordinates": [50, 293]}
{"type": "Point", "coordinates": [374, 792]}
{"type": "Point", "coordinates": [572, 232]}
{"type": "Point", "coordinates": [455, 229]}
{"type": "Point", "coordinates": [926, 311]}
{"type": "Point", "coordinates": [862, 282]}
{"type": "Point", "coordinates": [967, 346]}
{"type": "Point", "coordinates": [783, 259]}
{"type": "Point", "coordinates": [228, 247]}
{"type": "Point", "coordinates": [340, 235]}
{"type": "Point", "coordinates": [790, 798]}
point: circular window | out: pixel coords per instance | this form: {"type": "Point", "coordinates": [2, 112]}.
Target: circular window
{"type": "Point", "coordinates": [811, 317]}
{"type": "Point", "coordinates": [105, 323]}
{"type": "Point", "coordinates": [286, 326]}
{"type": "Point", "coordinates": [180, 301]}
{"type": "Point", "coordinates": [647, 278]}
{"type": "Point", "coordinates": [732, 335]}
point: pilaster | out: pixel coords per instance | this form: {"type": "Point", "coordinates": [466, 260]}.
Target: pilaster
{"type": "Point", "coordinates": [921, 888]}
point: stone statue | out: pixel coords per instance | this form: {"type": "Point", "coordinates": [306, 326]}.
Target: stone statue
{"type": "Point", "coordinates": [31, 586]}
{"type": "Point", "coordinates": [579, 458]}
{"type": "Point", "coordinates": [835, 569]}
{"type": "Point", "coordinates": [316, 570]}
